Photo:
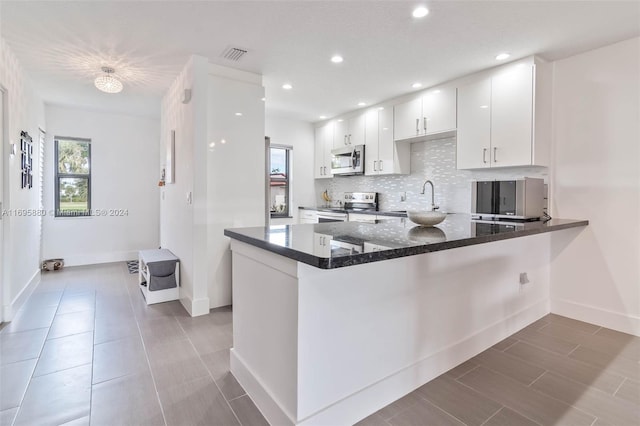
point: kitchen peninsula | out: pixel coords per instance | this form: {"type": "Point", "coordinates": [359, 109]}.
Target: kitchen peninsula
{"type": "Point", "coordinates": [333, 321]}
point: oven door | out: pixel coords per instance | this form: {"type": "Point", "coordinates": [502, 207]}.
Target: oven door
{"type": "Point", "coordinates": [332, 217]}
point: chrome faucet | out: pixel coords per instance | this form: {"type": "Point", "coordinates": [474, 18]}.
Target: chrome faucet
{"type": "Point", "coordinates": [433, 191]}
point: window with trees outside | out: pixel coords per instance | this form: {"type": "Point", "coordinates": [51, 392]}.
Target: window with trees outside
{"type": "Point", "coordinates": [73, 177]}
{"type": "Point", "coordinates": [279, 180]}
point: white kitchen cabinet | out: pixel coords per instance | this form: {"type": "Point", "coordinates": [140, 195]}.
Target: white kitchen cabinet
{"type": "Point", "coordinates": [323, 146]}
{"type": "Point", "coordinates": [307, 216]}
{"type": "Point", "coordinates": [349, 131]}
{"type": "Point", "coordinates": [322, 244]}
{"type": "Point", "coordinates": [382, 155]}
{"type": "Point", "coordinates": [497, 115]}
{"type": "Point", "coordinates": [434, 111]}
{"type": "Point", "coordinates": [361, 217]}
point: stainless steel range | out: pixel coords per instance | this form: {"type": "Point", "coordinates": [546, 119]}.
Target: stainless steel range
{"type": "Point", "coordinates": [351, 202]}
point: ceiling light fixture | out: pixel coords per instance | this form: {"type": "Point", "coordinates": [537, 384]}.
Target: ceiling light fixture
{"type": "Point", "coordinates": [239, 114]}
{"type": "Point", "coordinates": [323, 117]}
{"type": "Point", "coordinates": [107, 82]}
{"type": "Point", "coordinates": [502, 56]}
{"type": "Point", "coordinates": [336, 59]}
{"type": "Point", "coordinates": [420, 12]}
{"type": "Point", "coordinates": [416, 85]}
{"type": "Point", "coordinates": [361, 104]}
{"type": "Point", "coordinates": [287, 86]}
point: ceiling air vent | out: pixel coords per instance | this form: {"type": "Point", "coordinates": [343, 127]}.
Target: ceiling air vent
{"type": "Point", "coordinates": [233, 53]}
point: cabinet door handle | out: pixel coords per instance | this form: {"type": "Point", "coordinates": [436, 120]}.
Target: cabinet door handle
{"type": "Point", "coordinates": [320, 170]}
{"type": "Point", "coordinates": [374, 165]}
{"type": "Point", "coordinates": [345, 139]}
{"type": "Point", "coordinates": [417, 126]}
{"type": "Point", "coordinates": [495, 154]}
{"type": "Point", "coordinates": [484, 155]}
{"type": "Point", "coordinates": [349, 139]}
{"type": "Point", "coordinates": [325, 170]}
{"type": "Point", "coordinates": [380, 165]}
{"type": "Point", "coordinates": [425, 124]}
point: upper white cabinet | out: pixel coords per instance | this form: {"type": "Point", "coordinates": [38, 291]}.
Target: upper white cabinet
{"type": "Point", "coordinates": [349, 131]}
{"type": "Point", "coordinates": [503, 118]}
{"type": "Point", "coordinates": [432, 112]}
{"type": "Point", "coordinates": [323, 146]}
{"type": "Point", "coordinates": [382, 155]}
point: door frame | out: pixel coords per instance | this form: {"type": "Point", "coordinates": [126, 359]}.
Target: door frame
{"type": "Point", "coordinates": [4, 183]}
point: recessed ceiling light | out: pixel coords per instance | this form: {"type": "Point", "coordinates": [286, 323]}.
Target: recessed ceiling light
{"type": "Point", "coordinates": [212, 144]}
{"type": "Point", "coordinates": [416, 85]}
{"type": "Point", "coordinates": [287, 86]}
{"type": "Point", "coordinates": [361, 104]}
{"type": "Point", "coordinates": [322, 117]}
{"type": "Point", "coordinates": [223, 141]}
{"type": "Point", "coordinates": [263, 99]}
{"type": "Point", "coordinates": [420, 12]}
{"type": "Point", "coordinates": [484, 106]}
{"type": "Point", "coordinates": [436, 91]}
{"type": "Point", "coordinates": [336, 59]}
{"type": "Point", "coordinates": [502, 56]}
{"type": "Point", "coordinates": [239, 114]}
{"type": "Point", "coordinates": [380, 108]}
{"type": "Point", "coordinates": [340, 120]}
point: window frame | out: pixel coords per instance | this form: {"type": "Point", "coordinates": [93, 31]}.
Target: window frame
{"type": "Point", "coordinates": [287, 213]}
{"type": "Point", "coordinates": [58, 176]}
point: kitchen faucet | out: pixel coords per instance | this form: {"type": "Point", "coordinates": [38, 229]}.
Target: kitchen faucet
{"type": "Point", "coordinates": [433, 191]}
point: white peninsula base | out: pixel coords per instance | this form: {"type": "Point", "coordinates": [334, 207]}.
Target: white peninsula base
{"type": "Point", "coordinates": [331, 346]}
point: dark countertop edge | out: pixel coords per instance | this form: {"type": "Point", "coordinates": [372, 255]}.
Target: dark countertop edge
{"type": "Point", "coordinates": [377, 256]}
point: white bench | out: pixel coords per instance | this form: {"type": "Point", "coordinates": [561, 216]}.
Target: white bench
{"type": "Point", "coordinates": [159, 287]}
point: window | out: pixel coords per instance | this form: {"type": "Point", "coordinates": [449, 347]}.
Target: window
{"type": "Point", "coordinates": [280, 180]}
{"type": "Point", "coordinates": [73, 177]}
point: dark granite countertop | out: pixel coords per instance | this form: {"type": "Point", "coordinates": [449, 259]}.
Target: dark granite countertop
{"type": "Point", "coordinates": [338, 244]}
{"type": "Point", "coordinates": [390, 213]}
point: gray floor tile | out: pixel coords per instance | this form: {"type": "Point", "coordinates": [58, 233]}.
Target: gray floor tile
{"type": "Point", "coordinates": [42, 299]}
{"type": "Point", "coordinates": [27, 319]}
{"type": "Point", "coordinates": [461, 369]}
{"type": "Point", "coordinates": [249, 415]}
{"type": "Point", "coordinates": [174, 363]}
{"type": "Point", "coordinates": [77, 302]}
{"type": "Point", "coordinates": [197, 402]}
{"type": "Point", "coordinates": [547, 342]}
{"type": "Point", "coordinates": [508, 365]}
{"type": "Point", "coordinates": [373, 420]}
{"type": "Point", "coordinates": [630, 390]}
{"type": "Point", "coordinates": [109, 328]}
{"type": "Point", "coordinates": [462, 402]}
{"type": "Point", "coordinates": [230, 387]}
{"type": "Point", "coordinates": [14, 379]}
{"type": "Point", "coordinates": [128, 400]}
{"type": "Point", "coordinates": [161, 331]}
{"type": "Point", "coordinates": [209, 341]}
{"type": "Point", "coordinates": [83, 421]}
{"type": "Point", "coordinates": [522, 399]}
{"type": "Point", "coordinates": [217, 363]}
{"type": "Point", "coordinates": [504, 344]}
{"type": "Point", "coordinates": [507, 417]}
{"type": "Point", "coordinates": [119, 358]}
{"type": "Point", "coordinates": [21, 346]}
{"type": "Point", "coordinates": [399, 405]}
{"type": "Point", "coordinates": [72, 323]}
{"type": "Point", "coordinates": [615, 363]}
{"type": "Point", "coordinates": [599, 404]}
{"type": "Point", "coordinates": [574, 324]}
{"type": "Point", "coordinates": [7, 416]}
{"type": "Point", "coordinates": [65, 352]}
{"type": "Point", "coordinates": [571, 368]}
{"type": "Point", "coordinates": [57, 398]}
{"type": "Point", "coordinates": [424, 414]}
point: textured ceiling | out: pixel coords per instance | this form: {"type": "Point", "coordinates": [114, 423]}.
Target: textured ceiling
{"type": "Point", "coordinates": [62, 45]}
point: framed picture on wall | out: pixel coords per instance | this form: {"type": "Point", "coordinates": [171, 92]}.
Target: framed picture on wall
{"type": "Point", "coordinates": [171, 153]}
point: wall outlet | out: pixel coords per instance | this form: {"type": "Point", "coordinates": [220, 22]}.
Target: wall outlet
{"type": "Point", "coordinates": [524, 279]}
{"type": "Point", "coordinates": [403, 197]}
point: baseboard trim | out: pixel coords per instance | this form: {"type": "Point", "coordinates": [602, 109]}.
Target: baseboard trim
{"type": "Point", "coordinates": [363, 403]}
{"type": "Point", "coordinates": [615, 320]}
{"type": "Point", "coordinates": [97, 258]}
{"type": "Point", "coordinates": [9, 311]}
{"type": "Point", "coordinates": [196, 307]}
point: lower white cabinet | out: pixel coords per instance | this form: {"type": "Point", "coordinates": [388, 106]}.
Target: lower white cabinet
{"type": "Point", "coordinates": [360, 217]}
{"type": "Point", "coordinates": [322, 244]}
{"type": "Point", "coordinates": [307, 216]}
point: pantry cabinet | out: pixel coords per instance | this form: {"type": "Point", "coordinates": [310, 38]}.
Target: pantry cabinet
{"type": "Point", "coordinates": [434, 111]}
{"type": "Point", "coordinates": [349, 131]}
{"type": "Point", "coordinates": [323, 146]}
{"type": "Point", "coordinates": [382, 155]}
{"type": "Point", "coordinates": [504, 118]}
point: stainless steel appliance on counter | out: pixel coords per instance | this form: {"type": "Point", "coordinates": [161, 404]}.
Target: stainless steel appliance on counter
{"type": "Point", "coordinates": [521, 199]}
{"type": "Point", "coordinates": [348, 160]}
{"type": "Point", "coordinates": [352, 202]}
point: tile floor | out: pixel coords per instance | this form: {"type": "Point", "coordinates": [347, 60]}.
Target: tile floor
{"type": "Point", "coordinates": [85, 349]}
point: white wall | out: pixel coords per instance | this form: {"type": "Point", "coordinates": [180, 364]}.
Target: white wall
{"type": "Point", "coordinates": [124, 175]}
{"type": "Point", "coordinates": [299, 135]}
{"type": "Point", "coordinates": [595, 274]}
{"type": "Point", "coordinates": [25, 112]}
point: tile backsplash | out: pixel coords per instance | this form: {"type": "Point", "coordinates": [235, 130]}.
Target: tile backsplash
{"type": "Point", "coordinates": [434, 160]}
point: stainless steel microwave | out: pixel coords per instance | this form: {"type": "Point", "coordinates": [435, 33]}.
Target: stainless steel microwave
{"type": "Point", "coordinates": [521, 199]}
{"type": "Point", "coordinates": [348, 160]}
